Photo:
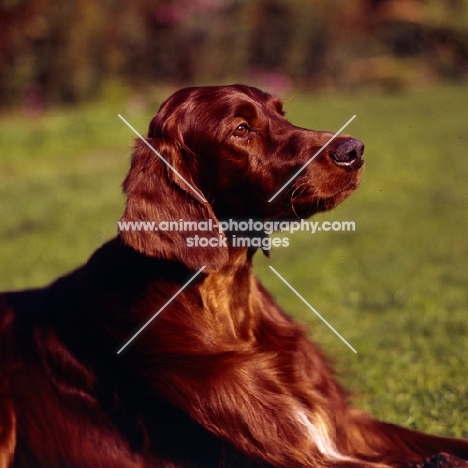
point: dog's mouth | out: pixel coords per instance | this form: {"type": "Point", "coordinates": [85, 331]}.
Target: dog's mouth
{"type": "Point", "coordinates": [318, 199]}
{"type": "Point", "coordinates": [331, 202]}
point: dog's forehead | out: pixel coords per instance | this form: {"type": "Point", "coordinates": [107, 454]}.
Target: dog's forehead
{"type": "Point", "coordinates": [211, 105]}
{"type": "Point", "coordinates": [251, 103]}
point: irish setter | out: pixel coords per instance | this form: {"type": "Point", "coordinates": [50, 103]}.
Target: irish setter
{"type": "Point", "coordinates": [221, 378]}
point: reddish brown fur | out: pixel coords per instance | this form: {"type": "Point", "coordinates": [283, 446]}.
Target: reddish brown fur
{"type": "Point", "coordinates": [222, 377]}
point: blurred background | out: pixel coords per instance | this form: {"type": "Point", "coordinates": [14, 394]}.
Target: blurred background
{"type": "Point", "coordinates": [54, 52]}
{"type": "Point", "coordinates": [396, 288]}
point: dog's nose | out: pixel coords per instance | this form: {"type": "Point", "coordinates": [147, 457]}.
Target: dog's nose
{"type": "Point", "coordinates": [348, 154]}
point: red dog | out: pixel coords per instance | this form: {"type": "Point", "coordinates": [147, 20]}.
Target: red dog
{"type": "Point", "coordinates": [222, 377]}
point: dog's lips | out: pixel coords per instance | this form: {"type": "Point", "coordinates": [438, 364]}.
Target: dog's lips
{"type": "Point", "coordinates": [345, 191]}
{"type": "Point", "coordinates": [328, 202]}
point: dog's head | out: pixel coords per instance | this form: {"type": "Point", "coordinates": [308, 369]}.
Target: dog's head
{"type": "Point", "coordinates": [228, 152]}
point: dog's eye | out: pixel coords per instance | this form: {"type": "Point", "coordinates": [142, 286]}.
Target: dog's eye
{"type": "Point", "coordinates": [241, 130]}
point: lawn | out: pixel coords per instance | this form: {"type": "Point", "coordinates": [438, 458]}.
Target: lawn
{"type": "Point", "coordinates": [395, 288]}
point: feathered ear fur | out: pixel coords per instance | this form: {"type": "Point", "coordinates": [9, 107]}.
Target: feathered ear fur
{"type": "Point", "coordinates": [158, 194]}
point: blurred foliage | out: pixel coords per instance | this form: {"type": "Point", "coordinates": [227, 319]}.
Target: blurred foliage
{"type": "Point", "coordinates": [65, 51]}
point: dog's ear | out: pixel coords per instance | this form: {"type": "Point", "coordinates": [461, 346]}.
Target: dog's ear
{"type": "Point", "coordinates": [169, 202]}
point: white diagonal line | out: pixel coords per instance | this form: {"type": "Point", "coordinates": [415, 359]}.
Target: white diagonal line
{"type": "Point", "coordinates": [162, 159]}
{"type": "Point", "coordinates": [161, 309]}
{"type": "Point", "coordinates": [312, 309]}
{"type": "Point", "coordinates": [312, 158]}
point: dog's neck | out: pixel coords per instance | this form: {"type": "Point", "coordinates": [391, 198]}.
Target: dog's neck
{"type": "Point", "coordinates": [123, 289]}
{"type": "Point", "coordinates": [226, 294]}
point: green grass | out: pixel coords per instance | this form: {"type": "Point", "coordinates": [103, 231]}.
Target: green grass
{"type": "Point", "coordinates": [396, 288]}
